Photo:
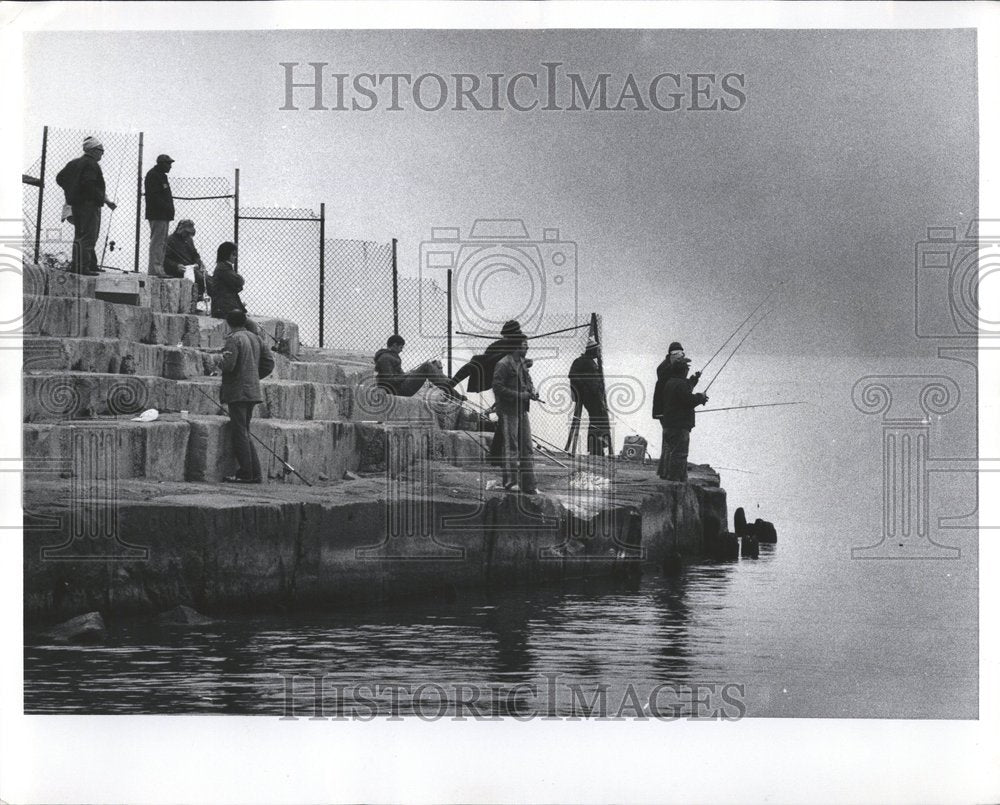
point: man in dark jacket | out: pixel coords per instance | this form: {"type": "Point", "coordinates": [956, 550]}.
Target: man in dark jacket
{"type": "Point", "coordinates": [82, 181]}
{"type": "Point", "coordinates": [513, 390]}
{"type": "Point", "coordinates": [479, 369]}
{"type": "Point", "coordinates": [226, 284]}
{"type": "Point", "coordinates": [674, 402]}
{"type": "Point", "coordinates": [587, 387]}
{"type": "Point", "coordinates": [159, 212]}
{"type": "Point", "coordinates": [390, 376]}
{"type": "Point", "coordinates": [244, 362]}
{"type": "Point", "coordinates": [181, 253]}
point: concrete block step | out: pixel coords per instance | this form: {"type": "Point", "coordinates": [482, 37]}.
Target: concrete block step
{"type": "Point", "coordinates": [80, 317]}
{"type": "Point", "coordinates": [50, 396]}
{"type": "Point", "coordinates": [199, 448]}
{"type": "Point", "coordinates": [105, 355]}
{"type": "Point", "coordinates": [161, 295]}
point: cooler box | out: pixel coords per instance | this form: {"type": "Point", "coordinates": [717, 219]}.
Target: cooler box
{"type": "Point", "coordinates": [634, 449]}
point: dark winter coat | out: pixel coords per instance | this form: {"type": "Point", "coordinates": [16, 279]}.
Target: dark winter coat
{"type": "Point", "coordinates": [389, 370]}
{"type": "Point", "coordinates": [586, 383]}
{"type": "Point", "coordinates": [674, 401]}
{"type": "Point", "coordinates": [244, 362]}
{"type": "Point", "coordinates": [159, 198]}
{"type": "Point", "coordinates": [480, 368]}
{"type": "Point", "coordinates": [180, 252]}
{"type": "Point", "coordinates": [512, 386]}
{"type": "Point", "coordinates": [225, 290]}
{"type": "Point", "coordinates": [82, 180]}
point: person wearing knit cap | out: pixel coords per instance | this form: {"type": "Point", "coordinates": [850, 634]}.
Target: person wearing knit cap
{"type": "Point", "coordinates": [159, 212]}
{"type": "Point", "coordinates": [586, 383]}
{"type": "Point", "coordinates": [674, 402]}
{"type": "Point", "coordinates": [82, 182]}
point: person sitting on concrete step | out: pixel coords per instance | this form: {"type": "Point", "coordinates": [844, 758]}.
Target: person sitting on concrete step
{"type": "Point", "coordinates": [180, 253]}
{"type": "Point", "coordinates": [226, 284]}
{"type": "Point", "coordinates": [390, 376]}
{"type": "Point", "coordinates": [674, 402]}
{"type": "Point", "coordinates": [245, 361]}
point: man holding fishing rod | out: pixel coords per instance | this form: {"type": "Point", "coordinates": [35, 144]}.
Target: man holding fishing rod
{"type": "Point", "coordinates": [514, 391]}
{"type": "Point", "coordinates": [82, 181]}
{"type": "Point", "coordinates": [674, 401]}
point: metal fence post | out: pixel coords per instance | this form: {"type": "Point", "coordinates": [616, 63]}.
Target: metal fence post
{"type": "Point", "coordinates": [395, 291]}
{"type": "Point", "coordinates": [41, 193]}
{"type": "Point", "coordinates": [138, 206]}
{"type": "Point", "coordinates": [236, 219]}
{"type": "Point", "coordinates": [449, 321]}
{"type": "Point", "coordinates": [322, 269]}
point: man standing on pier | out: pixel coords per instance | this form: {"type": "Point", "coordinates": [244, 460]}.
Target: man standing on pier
{"type": "Point", "coordinates": [513, 390]}
{"type": "Point", "coordinates": [674, 402]}
{"type": "Point", "coordinates": [82, 181]}
{"type": "Point", "coordinates": [159, 212]}
{"type": "Point", "coordinates": [587, 386]}
{"type": "Point", "coordinates": [244, 362]}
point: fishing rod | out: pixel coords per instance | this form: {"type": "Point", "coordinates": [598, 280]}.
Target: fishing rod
{"type": "Point", "coordinates": [529, 337]}
{"type": "Point", "coordinates": [284, 463]}
{"type": "Point", "coordinates": [735, 350]}
{"type": "Point", "coordinates": [733, 334]}
{"type": "Point", "coordinates": [111, 217]}
{"type": "Point", "coordinates": [759, 405]}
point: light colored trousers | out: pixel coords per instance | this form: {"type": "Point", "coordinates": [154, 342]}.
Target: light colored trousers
{"type": "Point", "coordinates": [157, 247]}
{"type": "Point", "coordinates": [518, 461]}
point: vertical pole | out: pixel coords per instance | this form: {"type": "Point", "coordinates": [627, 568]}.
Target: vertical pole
{"type": "Point", "coordinates": [41, 193]}
{"type": "Point", "coordinates": [395, 291]}
{"type": "Point", "coordinates": [236, 218]}
{"type": "Point", "coordinates": [322, 269]}
{"type": "Point", "coordinates": [449, 322]}
{"type": "Point", "coordinates": [138, 206]}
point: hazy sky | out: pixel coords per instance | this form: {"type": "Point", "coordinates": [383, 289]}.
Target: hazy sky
{"type": "Point", "coordinates": [849, 145]}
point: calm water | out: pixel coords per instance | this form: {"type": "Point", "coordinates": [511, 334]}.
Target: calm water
{"type": "Point", "coordinates": [803, 631]}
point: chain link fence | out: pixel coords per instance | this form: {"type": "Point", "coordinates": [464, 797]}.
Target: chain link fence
{"type": "Point", "coordinates": [116, 242]}
{"type": "Point", "coordinates": [280, 255]}
{"type": "Point", "coordinates": [206, 200]}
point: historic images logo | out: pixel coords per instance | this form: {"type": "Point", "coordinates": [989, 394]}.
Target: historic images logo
{"type": "Point", "coordinates": [950, 271]}
{"type": "Point", "coordinates": [547, 89]}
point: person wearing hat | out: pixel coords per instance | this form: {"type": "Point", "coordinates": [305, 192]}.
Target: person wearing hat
{"type": "Point", "coordinates": [82, 181]}
{"type": "Point", "coordinates": [513, 390]}
{"type": "Point", "coordinates": [674, 402]}
{"type": "Point", "coordinates": [586, 383]}
{"type": "Point", "coordinates": [159, 212]}
{"type": "Point", "coordinates": [181, 254]}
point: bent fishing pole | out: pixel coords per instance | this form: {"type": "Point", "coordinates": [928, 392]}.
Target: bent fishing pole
{"type": "Point", "coordinates": [257, 439]}
{"type": "Point", "coordinates": [735, 350]}
{"type": "Point", "coordinates": [742, 323]}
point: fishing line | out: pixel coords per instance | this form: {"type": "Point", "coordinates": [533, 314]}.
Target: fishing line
{"type": "Point", "coordinates": [742, 323]}
{"type": "Point", "coordinates": [111, 218]}
{"type": "Point", "coordinates": [736, 349]}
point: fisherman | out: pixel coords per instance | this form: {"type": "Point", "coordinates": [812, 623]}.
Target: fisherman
{"type": "Point", "coordinates": [586, 384]}
{"type": "Point", "coordinates": [82, 182]}
{"type": "Point", "coordinates": [180, 254]}
{"type": "Point", "coordinates": [159, 211]}
{"type": "Point", "coordinates": [674, 402]}
{"type": "Point", "coordinates": [513, 390]}
{"type": "Point", "coordinates": [479, 371]}
{"type": "Point", "coordinates": [226, 283]}
{"type": "Point", "coordinates": [390, 376]}
{"type": "Point", "coordinates": [244, 362]}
